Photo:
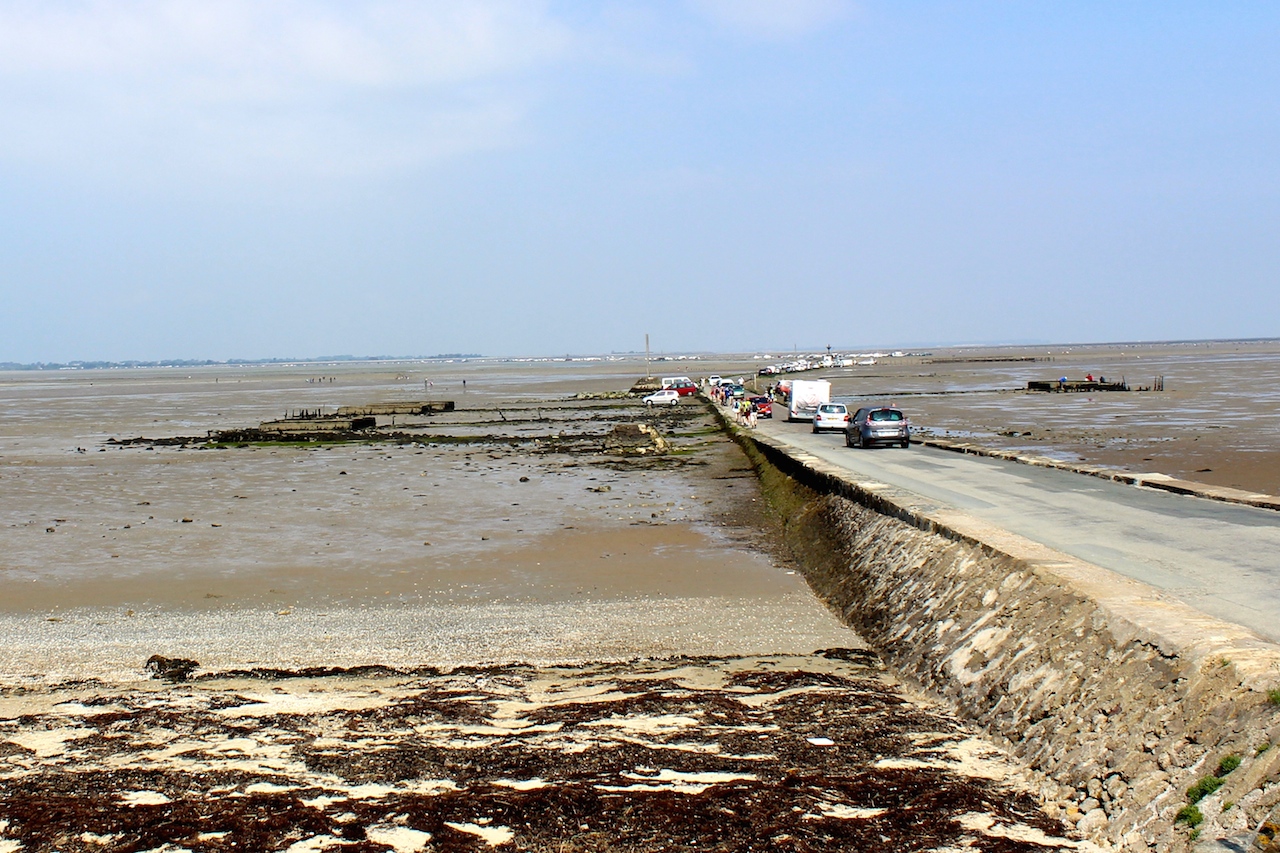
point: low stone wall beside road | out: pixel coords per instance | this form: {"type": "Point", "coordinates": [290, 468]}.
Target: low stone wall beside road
{"type": "Point", "coordinates": [1120, 697]}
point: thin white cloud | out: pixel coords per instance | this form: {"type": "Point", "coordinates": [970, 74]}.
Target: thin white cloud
{"type": "Point", "coordinates": [775, 19]}
{"type": "Point", "coordinates": [239, 86]}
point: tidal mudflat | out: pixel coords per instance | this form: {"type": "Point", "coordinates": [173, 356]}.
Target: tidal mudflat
{"type": "Point", "coordinates": [503, 531]}
{"type": "Point", "coordinates": [497, 629]}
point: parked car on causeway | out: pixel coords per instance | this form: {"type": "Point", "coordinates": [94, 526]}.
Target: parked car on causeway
{"type": "Point", "coordinates": [665, 397]}
{"type": "Point", "coordinates": [874, 425]}
{"type": "Point", "coordinates": [686, 386]}
{"type": "Point", "coordinates": [831, 416]}
{"type": "Point", "coordinates": [763, 407]}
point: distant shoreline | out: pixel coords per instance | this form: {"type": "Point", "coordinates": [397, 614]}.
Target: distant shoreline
{"type": "Point", "coordinates": [231, 362]}
{"type": "Point", "coordinates": [665, 356]}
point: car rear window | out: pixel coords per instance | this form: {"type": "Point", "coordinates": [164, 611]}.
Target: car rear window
{"type": "Point", "coordinates": [886, 415]}
{"type": "Point", "coordinates": [831, 408]}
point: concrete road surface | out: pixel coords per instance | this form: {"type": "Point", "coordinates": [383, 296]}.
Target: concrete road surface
{"type": "Point", "coordinates": [1220, 558]}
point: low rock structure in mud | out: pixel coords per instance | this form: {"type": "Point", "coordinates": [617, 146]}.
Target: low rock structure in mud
{"type": "Point", "coordinates": [645, 385]}
{"type": "Point", "coordinates": [402, 407]}
{"type": "Point", "coordinates": [639, 439]}
{"type": "Point", "coordinates": [309, 426]}
{"type": "Point", "coordinates": [571, 427]}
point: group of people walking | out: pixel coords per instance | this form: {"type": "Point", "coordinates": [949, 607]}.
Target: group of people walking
{"type": "Point", "coordinates": [744, 411]}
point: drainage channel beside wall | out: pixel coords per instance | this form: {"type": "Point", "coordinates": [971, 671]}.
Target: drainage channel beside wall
{"type": "Point", "coordinates": [1121, 698]}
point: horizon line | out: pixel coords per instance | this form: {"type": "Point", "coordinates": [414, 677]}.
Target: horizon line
{"type": "Point", "coordinates": [108, 364]}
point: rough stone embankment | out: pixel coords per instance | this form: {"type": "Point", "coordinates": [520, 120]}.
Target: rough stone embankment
{"type": "Point", "coordinates": [1122, 698]}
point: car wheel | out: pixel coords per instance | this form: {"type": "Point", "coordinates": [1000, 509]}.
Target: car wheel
{"type": "Point", "coordinates": [816, 430]}
{"type": "Point", "coordinates": [675, 402]}
{"type": "Point", "coordinates": [848, 442]}
{"type": "Point", "coordinates": [906, 444]}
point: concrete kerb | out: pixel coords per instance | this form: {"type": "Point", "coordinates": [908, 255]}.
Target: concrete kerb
{"type": "Point", "coordinates": [1150, 480]}
{"type": "Point", "coordinates": [1177, 688]}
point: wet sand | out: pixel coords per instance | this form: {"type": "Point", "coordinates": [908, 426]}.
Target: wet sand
{"type": "Point", "coordinates": [500, 532]}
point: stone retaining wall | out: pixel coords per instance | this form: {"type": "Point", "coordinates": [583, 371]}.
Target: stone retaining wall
{"type": "Point", "coordinates": [1119, 697]}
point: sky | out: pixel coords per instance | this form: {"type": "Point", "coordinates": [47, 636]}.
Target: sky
{"type": "Point", "coordinates": [274, 178]}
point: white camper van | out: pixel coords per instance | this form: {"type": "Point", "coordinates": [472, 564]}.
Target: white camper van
{"type": "Point", "coordinates": [805, 398]}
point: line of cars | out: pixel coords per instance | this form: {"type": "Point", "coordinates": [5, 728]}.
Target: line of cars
{"type": "Point", "coordinates": [867, 427]}
{"type": "Point", "coordinates": [674, 388]}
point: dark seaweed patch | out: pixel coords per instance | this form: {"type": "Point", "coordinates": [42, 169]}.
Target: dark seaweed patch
{"type": "Point", "coordinates": [607, 786]}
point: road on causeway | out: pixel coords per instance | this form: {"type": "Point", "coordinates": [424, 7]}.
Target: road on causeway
{"type": "Point", "coordinates": [1223, 559]}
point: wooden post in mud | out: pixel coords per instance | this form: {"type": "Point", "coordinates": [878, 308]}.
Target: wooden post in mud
{"type": "Point", "coordinates": [648, 373]}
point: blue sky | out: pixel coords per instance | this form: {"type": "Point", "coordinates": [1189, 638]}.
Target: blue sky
{"type": "Point", "coordinates": [240, 179]}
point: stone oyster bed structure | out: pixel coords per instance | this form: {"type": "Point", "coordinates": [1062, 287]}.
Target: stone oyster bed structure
{"type": "Point", "coordinates": [1123, 699]}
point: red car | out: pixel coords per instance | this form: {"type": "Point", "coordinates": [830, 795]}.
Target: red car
{"type": "Point", "coordinates": [683, 387]}
{"type": "Point", "coordinates": [763, 407]}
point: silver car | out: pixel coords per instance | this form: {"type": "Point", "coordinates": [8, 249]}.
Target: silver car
{"type": "Point", "coordinates": [874, 425]}
{"type": "Point", "coordinates": [831, 416]}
